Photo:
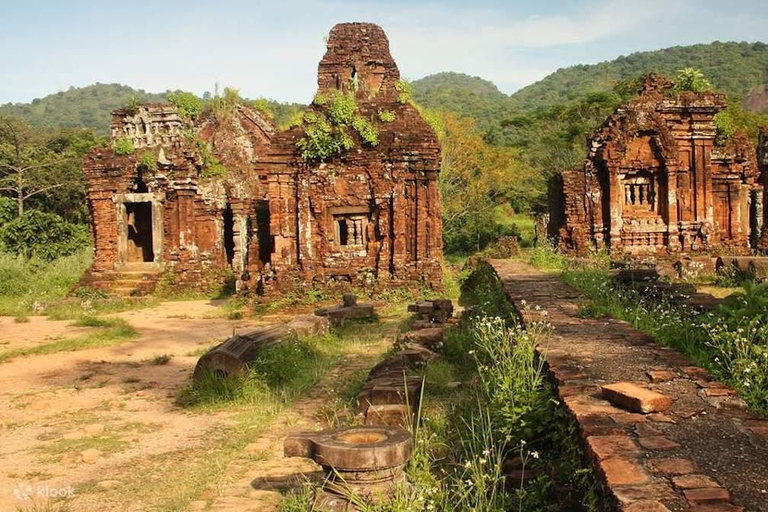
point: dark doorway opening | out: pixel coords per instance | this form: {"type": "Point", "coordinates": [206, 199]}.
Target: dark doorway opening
{"type": "Point", "coordinates": [229, 234]}
{"type": "Point", "coordinates": [266, 241]}
{"type": "Point", "coordinates": [343, 231]}
{"type": "Point", "coordinates": [138, 220]}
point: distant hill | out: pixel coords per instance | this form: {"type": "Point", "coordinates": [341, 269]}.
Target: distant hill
{"type": "Point", "coordinates": [733, 68]}
{"type": "Point", "coordinates": [464, 95]}
{"type": "Point", "coordinates": [88, 107]}
{"type": "Point", "coordinates": [739, 69]}
{"type": "Point", "coordinates": [91, 107]}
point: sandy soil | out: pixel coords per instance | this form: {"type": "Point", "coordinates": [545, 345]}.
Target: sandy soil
{"type": "Point", "coordinates": [70, 420]}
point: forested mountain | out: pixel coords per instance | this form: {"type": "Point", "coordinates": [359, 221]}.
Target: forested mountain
{"type": "Point", "coordinates": [87, 107]}
{"type": "Point", "coordinates": [739, 69]}
{"type": "Point", "coordinates": [733, 68]}
{"type": "Point", "coordinates": [463, 95]}
{"type": "Point", "coordinates": [91, 106]}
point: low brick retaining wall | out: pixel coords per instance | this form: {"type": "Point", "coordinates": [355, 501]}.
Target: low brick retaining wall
{"type": "Point", "coordinates": [689, 443]}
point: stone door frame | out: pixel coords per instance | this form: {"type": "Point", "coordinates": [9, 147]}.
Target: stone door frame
{"type": "Point", "coordinates": [156, 200]}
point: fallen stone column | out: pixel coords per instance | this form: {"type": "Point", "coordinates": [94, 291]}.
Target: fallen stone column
{"type": "Point", "coordinates": [235, 354]}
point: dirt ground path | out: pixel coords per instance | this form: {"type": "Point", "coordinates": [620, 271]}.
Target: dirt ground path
{"type": "Point", "coordinates": [258, 477]}
{"type": "Point", "coordinates": [68, 419]}
{"type": "Point", "coordinates": [101, 426]}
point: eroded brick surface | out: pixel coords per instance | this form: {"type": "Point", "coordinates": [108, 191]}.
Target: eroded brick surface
{"type": "Point", "coordinates": [700, 452]}
{"type": "Point", "coordinates": [655, 181]}
{"type": "Point", "coordinates": [367, 217]}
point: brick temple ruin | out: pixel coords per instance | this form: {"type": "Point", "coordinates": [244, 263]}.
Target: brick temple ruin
{"type": "Point", "coordinates": [655, 182]}
{"type": "Point", "coordinates": [275, 221]}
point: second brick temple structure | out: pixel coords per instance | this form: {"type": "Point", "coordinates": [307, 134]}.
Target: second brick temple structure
{"type": "Point", "coordinates": [655, 181]}
{"type": "Point", "coordinates": [227, 193]}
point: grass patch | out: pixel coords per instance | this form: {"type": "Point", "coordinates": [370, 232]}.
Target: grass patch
{"type": "Point", "coordinates": [106, 444]}
{"type": "Point", "coordinates": [75, 308]}
{"type": "Point", "coordinates": [522, 221]}
{"type": "Point", "coordinates": [115, 331]}
{"type": "Point", "coordinates": [27, 283]}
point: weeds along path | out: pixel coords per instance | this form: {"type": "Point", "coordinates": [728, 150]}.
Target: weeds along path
{"type": "Point", "coordinates": [259, 475]}
{"type": "Point", "coordinates": [78, 419]}
{"type": "Point", "coordinates": [705, 450]}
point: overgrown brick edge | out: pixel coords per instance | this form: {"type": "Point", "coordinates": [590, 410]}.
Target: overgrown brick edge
{"type": "Point", "coordinates": [610, 444]}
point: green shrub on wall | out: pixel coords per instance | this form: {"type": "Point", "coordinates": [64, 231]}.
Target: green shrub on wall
{"type": "Point", "coordinates": [327, 130]}
{"type": "Point", "coordinates": [124, 147]}
{"type": "Point", "coordinates": [45, 235]}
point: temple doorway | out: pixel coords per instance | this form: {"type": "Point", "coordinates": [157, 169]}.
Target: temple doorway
{"type": "Point", "coordinates": [138, 225]}
{"type": "Point", "coordinates": [229, 234]}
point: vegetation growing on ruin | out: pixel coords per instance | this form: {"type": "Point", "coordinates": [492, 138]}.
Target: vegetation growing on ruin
{"type": "Point", "coordinates": [124, 146]}
{"type": "Point", "coordinates": [404, 89]}
{"type": "Point", "coordinates": [212, 168]}
{"type": "Point", "coordinates": [148, 161]}
{"type": "Point", "coordinates": [327, 128]}
{"type": "Point", "coordinates": [387, 116]}
{"type": "Point", "coordinates": [692, 80]}
{"type": "Point", "coordinates": [189, 105]}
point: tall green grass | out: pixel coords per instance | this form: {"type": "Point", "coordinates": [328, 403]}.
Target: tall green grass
{"type": "Point", "coordinates": [29, 282]}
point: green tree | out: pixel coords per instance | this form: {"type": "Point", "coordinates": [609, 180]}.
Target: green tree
{"type": "Point", "coordinates": [30, 164]}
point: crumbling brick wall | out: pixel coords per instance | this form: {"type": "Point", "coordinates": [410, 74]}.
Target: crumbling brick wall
{"type": "Point", "coordinates": [655, 182]}
{"type": "Point", "coordinates": [390, 189]}
{"type": "Point", "coordinates": [367, 217]}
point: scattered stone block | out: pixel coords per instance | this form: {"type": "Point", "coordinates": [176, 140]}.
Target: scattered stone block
{"type": "Point", "coordinates": [706, 495]}
{"type": "Point", "coordinates": [623, 472]}
{"type": "Point", "coordinates": [660, 418]}
{"type": "Point", "coordinates": [635, 398]}
{"type": "Point", "coordinates": [658, 443]}
{"type": "Point", "coordinates": [675, 466]}
{"type": "Point", "coordinates": [647, 506]}
{"type": "Point", "coordinates": [339, 315]}
{"type": "Point", "coordinates": [658, 376]}
{"type": "Point", "coordinates": [234, 354]}
{"type": "Point", "coordinates": [606, 447]}
{"type": "Point", "coordinates": [394, 415]}
{"type": "Point", "coordinates": [437, 311]}
{"type": "Point", "coordinates": [694, 482]}
{"type": "Point", "coordinates": [431, 338]}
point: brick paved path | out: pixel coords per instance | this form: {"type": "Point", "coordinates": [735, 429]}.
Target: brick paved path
{"type": "Point", "coordinates": [705, 453]}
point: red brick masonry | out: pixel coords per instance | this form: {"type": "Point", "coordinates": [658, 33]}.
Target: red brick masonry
{"type": "Point", "coordinates": [704, 452]}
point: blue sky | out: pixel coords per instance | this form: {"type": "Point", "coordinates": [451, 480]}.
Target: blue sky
{"type": "Point", "coordinates": [271, 49]}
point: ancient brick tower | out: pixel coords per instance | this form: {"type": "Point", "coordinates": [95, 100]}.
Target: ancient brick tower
{"type": "Point", "coordinates": [371, 213]}
{"type": "Point", "coordinates": [655, 182]}
{"type": "Point", "coordinates": [275, 220]}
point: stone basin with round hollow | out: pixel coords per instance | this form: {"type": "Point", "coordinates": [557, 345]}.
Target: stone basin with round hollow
{"type": "Point", "coordinates": [367, 460]}
{"type": "Point", "coordinates": [361, 437]}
